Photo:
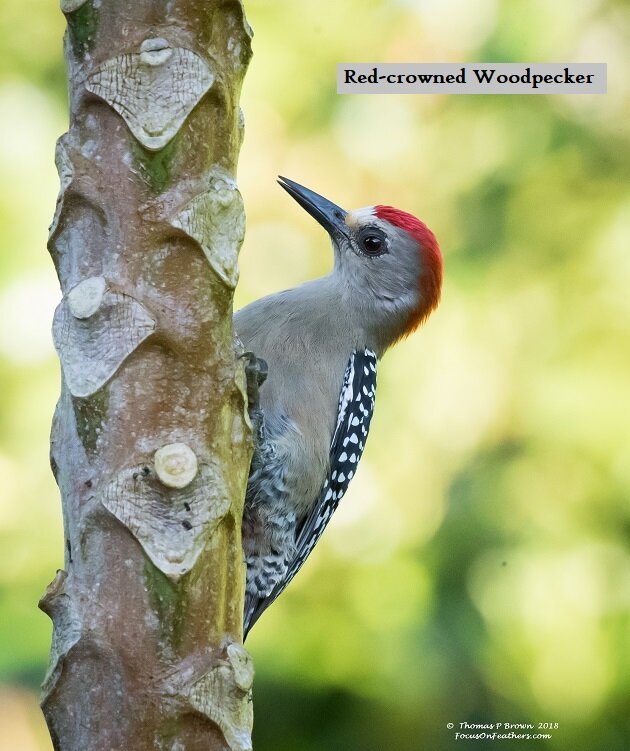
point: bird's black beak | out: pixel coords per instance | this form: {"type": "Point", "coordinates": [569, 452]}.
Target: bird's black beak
{"type": "Point", "coordinates": [329, 215]}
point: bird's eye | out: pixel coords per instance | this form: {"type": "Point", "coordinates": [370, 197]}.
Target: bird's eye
{"type": "Point", "coordinates": [372, 243]}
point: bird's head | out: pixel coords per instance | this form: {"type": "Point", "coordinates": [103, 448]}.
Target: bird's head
{"type": "Point", "coordinates": [388, 261]}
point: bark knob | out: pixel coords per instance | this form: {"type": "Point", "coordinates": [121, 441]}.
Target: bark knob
{"type": "Point", "coordinates": [176, 465]}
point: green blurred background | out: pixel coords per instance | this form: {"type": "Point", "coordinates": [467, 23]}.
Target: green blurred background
{"type": "Point", "coordinates": [478, 569]}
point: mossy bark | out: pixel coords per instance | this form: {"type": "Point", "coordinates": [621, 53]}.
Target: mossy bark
{"type": "Point", "coordinates": [147, 642]}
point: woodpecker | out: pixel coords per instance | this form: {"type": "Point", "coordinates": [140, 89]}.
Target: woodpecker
{"type": "Point", "coordinates": [318, 345]}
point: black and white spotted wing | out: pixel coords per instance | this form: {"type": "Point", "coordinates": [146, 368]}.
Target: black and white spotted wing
{"type": "Point", "coordinates": [356, 405]}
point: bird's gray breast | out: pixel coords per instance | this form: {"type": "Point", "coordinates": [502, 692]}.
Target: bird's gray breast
{"type": "Point", "coordinates": [306, 357]}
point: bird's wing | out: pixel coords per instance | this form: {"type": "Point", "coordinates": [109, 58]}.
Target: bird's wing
{"type": "Point", "coordinates": [356, 405]}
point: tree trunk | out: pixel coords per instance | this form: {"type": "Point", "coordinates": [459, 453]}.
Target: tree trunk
{"type": "Point", "coordinates": [150, 441]}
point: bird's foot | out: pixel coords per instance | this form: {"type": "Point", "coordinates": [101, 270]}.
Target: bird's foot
{"type": "Point", "coordinates": [256, 372]}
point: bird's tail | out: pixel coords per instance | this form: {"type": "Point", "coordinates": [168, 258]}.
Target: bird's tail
{"type": "Point", "coordinates": [251, 612]}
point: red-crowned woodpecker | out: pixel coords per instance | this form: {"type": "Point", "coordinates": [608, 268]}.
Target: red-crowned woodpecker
{"type": "Point", "coordinates": [321, 342]}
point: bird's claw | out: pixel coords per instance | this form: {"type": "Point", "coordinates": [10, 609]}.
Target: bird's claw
{"type": "Point", "coordinates": [256, 372]}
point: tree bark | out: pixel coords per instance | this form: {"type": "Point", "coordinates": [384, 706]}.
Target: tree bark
{"type": "Point", "coordinates": [150, 442]}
